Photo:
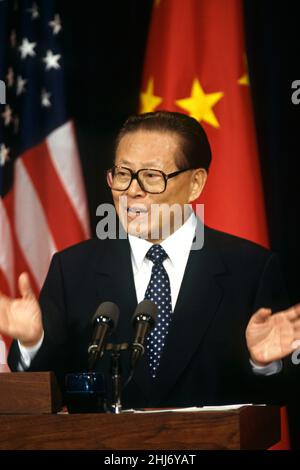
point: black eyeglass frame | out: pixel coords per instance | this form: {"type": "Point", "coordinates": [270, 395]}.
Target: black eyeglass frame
{"type": "Point", "coordinates": [135, 176]}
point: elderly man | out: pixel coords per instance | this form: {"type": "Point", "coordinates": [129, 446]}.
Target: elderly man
{"type": "Point", "coordinates": [223, 325]}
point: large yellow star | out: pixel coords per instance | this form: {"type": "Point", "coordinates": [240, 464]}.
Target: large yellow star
{"type": "Point", "coordinates": [148, 100]}
{"type": "Point", "coordinates": [199, 105]}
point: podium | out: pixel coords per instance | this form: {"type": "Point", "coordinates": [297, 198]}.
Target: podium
{"type": "Point", "coordinates": [43, 428]}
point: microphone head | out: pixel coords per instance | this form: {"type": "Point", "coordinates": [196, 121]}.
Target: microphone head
{"type": "Point", "coordinates": [108, 310]}
{"type": "Point", "coordinates": [147, 308]}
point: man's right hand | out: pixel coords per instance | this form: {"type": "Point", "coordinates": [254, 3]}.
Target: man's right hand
{"type": "Point", "coordinates": [21, 318]}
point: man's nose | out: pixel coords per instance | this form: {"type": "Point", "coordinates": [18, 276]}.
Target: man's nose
{"type": "Point", "coordinates": [135, 189]}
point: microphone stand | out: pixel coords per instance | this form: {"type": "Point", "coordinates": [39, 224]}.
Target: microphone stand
{"type": "Point", "coordinates": [116, 374]}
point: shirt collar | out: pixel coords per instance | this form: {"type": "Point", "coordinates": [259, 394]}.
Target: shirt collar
{"type": "Point", "coordinates": [139, 248]}
{"type": "Point", "coordinates": [182, 237]}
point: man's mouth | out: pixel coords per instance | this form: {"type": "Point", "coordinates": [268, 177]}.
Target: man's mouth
{"type": "Point", "coordinates": [136, 211]}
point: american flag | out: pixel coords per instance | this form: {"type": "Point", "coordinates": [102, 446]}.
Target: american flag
{"type": "Point", "coordinates": [42, 199]}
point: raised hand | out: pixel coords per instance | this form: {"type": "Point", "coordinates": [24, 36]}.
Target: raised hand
{"type": "Point", "coordinates": [272, 337]}
{"type": "Point", "coordinates": [21, 318]}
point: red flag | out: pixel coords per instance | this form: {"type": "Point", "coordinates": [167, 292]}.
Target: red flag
{"type": "Point", "coordinates": [196, 64]}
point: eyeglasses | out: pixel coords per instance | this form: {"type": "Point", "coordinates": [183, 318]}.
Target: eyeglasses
{"type": "Point", "coordinates": [151, 181]}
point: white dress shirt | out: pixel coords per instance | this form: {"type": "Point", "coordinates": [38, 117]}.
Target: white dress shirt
{"type": "Point", "coordinates": [177, 246]}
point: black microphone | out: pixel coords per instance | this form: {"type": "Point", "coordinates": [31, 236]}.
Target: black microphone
{"type": "Point", "coordinates": [104, 322]}
{"type": "Point", "coordinates": [143, 321]}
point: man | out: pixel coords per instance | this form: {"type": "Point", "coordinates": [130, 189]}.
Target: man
{"type": "Point", "coordinates": [208, 347]}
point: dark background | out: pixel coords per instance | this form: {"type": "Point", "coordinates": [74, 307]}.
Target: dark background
{"type": "Point", "coordinates": [104, 49]}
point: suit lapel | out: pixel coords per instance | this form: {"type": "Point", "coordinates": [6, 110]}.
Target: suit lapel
{"type": "Point", "coordinates": [199, 297]}
{"type": "Point", "coordinates": [115, 283]}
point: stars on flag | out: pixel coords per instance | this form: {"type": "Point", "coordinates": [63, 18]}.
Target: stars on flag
{"type": "Point", "coordinates": [26, 48]}
{"type": "Point", "coordinates": [7, 115]}
{"type": "Point", "coordinates": [244, 80]}
{"type": "Point", "coordinates": [55, 24]}
{"type": "Point", "coordinates": [45, 98]}
{"type": "Point", "coordinates": [10, 77]}
{"type": "Point", "coordinates": [200, 105]}
{"type": "Point", "coordinates": [33, 47]}
{"type": "Point", "coordinates": [21, 82]}
{"type": "Point", "coordinates": [51, 60]}
{"type": "Point", "coordinates": [34, 11]}
{"type": "Point", "coordinates": [148, 100]}
{"type": "Point", "coordinates": [4, 154]}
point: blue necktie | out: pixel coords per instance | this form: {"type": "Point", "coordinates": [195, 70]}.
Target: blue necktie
{"type": "Point", "coordinates": [159, 292]}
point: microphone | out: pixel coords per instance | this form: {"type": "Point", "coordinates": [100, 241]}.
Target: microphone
{"type": "Point", "coordinates": [104, 321]}
{"type": "Point", "coordinates": [143, 320]}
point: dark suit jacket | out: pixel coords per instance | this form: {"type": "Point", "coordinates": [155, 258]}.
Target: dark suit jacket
{"type": "Point", "coordinates": [205, 359]}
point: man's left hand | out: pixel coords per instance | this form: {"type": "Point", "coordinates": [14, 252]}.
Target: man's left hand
{"type": "Point", "coordinates": [272, 337]}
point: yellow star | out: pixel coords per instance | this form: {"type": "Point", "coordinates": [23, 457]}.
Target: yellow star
{"type": "Point", "coordinates": [244, 80]}
{"type": "Point", "coordinates": [199, 105]}
{"type": "Point", "coordinates": [148, 100]}
{"type": "Point", "coordinates": [157, 2]}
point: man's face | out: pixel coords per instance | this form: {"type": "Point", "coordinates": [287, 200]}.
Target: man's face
{"type": "Point", "coordinates": [153, 150]}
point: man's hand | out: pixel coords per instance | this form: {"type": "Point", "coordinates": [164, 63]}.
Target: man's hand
{"type": "Point", "coordinates": [21, 318]}
{"type": "Point", "coordinates": [272, 337]}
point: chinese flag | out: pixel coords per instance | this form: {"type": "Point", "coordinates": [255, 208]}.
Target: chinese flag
{"type": "Point", "coordinates": [196, 64]}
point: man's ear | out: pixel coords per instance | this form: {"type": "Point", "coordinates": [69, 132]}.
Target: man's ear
{"type": "Point", "coordinates": [197, 183]}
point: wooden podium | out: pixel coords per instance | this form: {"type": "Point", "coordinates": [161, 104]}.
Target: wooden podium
{"type": "Point", "coordinates": [249, 427]}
